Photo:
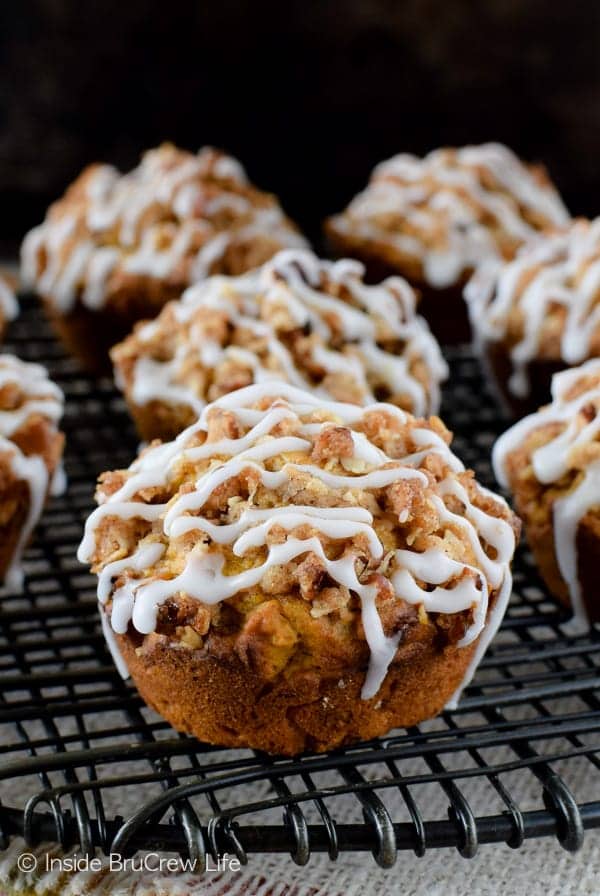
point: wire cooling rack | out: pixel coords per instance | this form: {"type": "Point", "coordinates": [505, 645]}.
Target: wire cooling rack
{"type": "Point", "coordinates": [84, 763]}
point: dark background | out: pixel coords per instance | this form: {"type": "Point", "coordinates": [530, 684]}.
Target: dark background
{"type": "Point", "coordinates": [309, 95]}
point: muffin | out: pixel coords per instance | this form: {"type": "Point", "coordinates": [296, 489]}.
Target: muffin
{"type": "Point", "coordinates": [539, 313]}
{"type": "Point", "coordinates": [30, 457]}
{"type": "Point", "coordinates": [434, 220]}
{"type": "Point", "coordinates": [117, 247]}
{"type": "Point", "coordinates": [308, 322]}
{"type": "Point", "coordinates": [293, 573]}
{"type": "Point", "coordinates": [551, 463]}
{"type": "Point", "coordinates": [8, 305]}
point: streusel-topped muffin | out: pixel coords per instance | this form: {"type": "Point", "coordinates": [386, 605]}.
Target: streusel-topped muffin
{"type": "Point", "coordinates": [551, 463]}
{"type": "Point", "coordinates": [435, 219]}
{"type": "Point", "coordinates": [117, 247]}
{"type": "Point", "coordinates": [312, 323]}
{"type": "Point", "coordinates": [292, 573]}
{"type": "Point", "coordinates": [539, 313]}
{"type": "Point", "coordinates": [8, 305]}
{"type": "Point", "coordinates": [30, 454]}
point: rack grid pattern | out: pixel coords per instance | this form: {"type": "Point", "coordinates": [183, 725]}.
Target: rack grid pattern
{"type": "Point", "coordinates": [518, 759]}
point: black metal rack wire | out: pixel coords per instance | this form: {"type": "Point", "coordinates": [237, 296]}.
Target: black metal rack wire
{"type": "Point", "coordinates": [77, 744]}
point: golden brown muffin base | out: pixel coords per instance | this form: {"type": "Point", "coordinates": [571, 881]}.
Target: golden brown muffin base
{"type": "Point", "coordinates": [14, 507]}
{"type": "Point", "coordinates": [445, 310]}
{"type": "Point", "coordinates": [496, 358]}
{"type": "Point", "coordinates": [159, 420]}
{"type": "Point", "coordinates": [225, 702]}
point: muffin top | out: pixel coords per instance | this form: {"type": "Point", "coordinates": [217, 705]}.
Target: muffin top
{"type": "Point", "coordinates": [312, 323]}
{"type": "Point", "coordinates": [176, 218]}
{"type": "Point", "coordinates": [30, 446]}
{"type": "Point", "coordinates": [439, 217]}
{"type": "Point", "coordinates": [552, 458]}
{"type": "Point", "coordinates": [8, 303]}
{"type": "Point", "coordinates": [545, 305]}
{"type": "Point", "coordinates": [280, 526]}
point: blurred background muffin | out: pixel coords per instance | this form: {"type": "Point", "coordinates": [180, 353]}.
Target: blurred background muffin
{"type": "Point", "coordinates": [117, 247]}
{"type": "Point", "coordinates": [539, 313]}
{"type": "Point", "coordinates": [550, 461]}
{"type": "Point", "coordinates": [436, 219]}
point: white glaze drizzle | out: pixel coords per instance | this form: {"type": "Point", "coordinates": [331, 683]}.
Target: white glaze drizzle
{"type": "Point", "coordinates": [147, 556]}
{"type": "Point", "coordinates": [111, 641]}
{"type": "Point", "coordinates": [287, 282]}
{"type": "Point", "coordinates": [556, 269]}
{"type": "Point", "coordinates": [458, 585]}
{"type": "Point", "coordinates": [124, 223]}
{"type": "Point", "coordinates": [445, 202]}
{"type": "Point", "coordinates": [551, 461]}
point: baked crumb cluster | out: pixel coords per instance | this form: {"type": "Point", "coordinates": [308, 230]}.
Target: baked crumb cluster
{"type": "Point", "coordinates": [312, 323]}
{"type": "Point", "coordinates": [30, 451]}
{"type": "Point", "coordinates": [439, 217]}
{"type": "Point", "coordinates": [283, 527]}
{"type": "Point", "coordinates": [544, 305]}
{"type": "Point", "coordinates": [551, 462]}
{"type": "Point", "coordinates": [8, 305]}
{"type": "Point", "coordinates": [173, 220]}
